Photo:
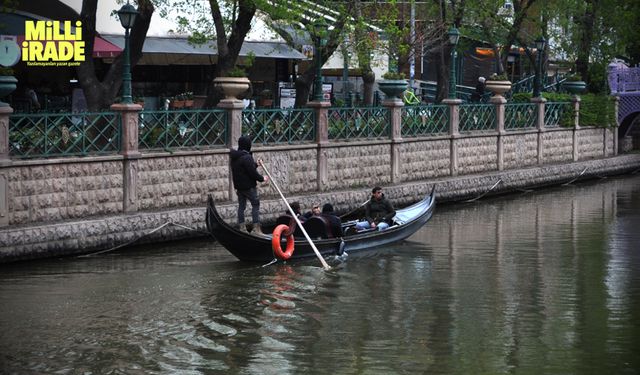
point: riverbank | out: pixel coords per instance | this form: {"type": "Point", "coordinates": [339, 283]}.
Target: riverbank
{"type": "Point", "coordinates": [108, 232]}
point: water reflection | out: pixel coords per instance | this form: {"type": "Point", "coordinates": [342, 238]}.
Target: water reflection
{"type": "Point", "coordinates": [545, 282]}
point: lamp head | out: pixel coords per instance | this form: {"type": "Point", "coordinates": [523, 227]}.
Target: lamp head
{"type": "Point", "coordinates": [540, 43]}
{"type": "Point", "coordinates": [454, 35]}
{"type": "Point", "coordinates": [320, 29]}
{"type": "Point", "coordinates": [127, 15]}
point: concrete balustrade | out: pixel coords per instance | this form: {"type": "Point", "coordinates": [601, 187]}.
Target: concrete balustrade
{"type": "Point", "coordinates": [53, 190]}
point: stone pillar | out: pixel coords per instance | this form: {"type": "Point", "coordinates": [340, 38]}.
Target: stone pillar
{"type": "Point", "coordinates": [576, 127]}
{"type": "Point", "coordinates": [454, 134]}
{"type": "Point", "coordinates": [395, 111]}
{"type": "Point", "coordinates": [129, 114]}
{"type": "Point", "coordinates": [5, 162]}
{"type": "Point", "coordinates": [540, 108]}
{"type": "Point", "coordinates": [499, 102]}
{"type": "Point", "coordinates": [321, 109]}
{"type": "Point", "coordinates": [234, 109]}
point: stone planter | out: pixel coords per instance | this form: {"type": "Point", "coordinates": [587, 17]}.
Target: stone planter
{"type": "Point", "coordinates": [7, 86]}
{"type": "Point", "coordinates": [232, 87]}
{"type": "Point", "coordinates": [498, 88]}
{"type": "Point", "coordinates": [574, 87]}
{"type": "Point", "coordinates": [393, 88]}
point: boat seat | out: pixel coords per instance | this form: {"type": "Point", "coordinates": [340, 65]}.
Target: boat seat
{"type": "Point", "coordinates": [317, 227]}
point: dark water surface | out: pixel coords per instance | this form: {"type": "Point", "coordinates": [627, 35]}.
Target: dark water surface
{"type": "Point", "coordinates": [539, 283]}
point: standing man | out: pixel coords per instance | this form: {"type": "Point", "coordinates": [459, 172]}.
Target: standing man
{"type": "Point", "coordinates": [245, 178]}
{"type": "Point", "coordinates": [379, 212]}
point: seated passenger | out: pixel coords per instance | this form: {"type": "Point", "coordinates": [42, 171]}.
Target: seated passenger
{"type": "Point", "coordinates": [334, 221]}
{"type": "Point", "coordinates": [379, 212]}
{"type": "Point", "coordinates": [315, 211]}
{"type": "Point", "coordinates": [295, 206]}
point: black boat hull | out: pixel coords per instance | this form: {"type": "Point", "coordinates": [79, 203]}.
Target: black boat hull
{"type": "Point", "coordinates": [248, 247]}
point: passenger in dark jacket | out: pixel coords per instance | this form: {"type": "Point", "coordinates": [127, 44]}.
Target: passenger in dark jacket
{"type": "Point", "coordinates": [379, 212]}
{"type": "Point", "coordinates": [245, 178]}
{"type": "Point", "coordinates": [334, 221]}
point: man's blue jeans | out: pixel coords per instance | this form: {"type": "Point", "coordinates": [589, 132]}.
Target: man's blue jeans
{"type": "Point", "coordinates": [252, 196]}
{"type": "Point", "coordinates": [365, 225]}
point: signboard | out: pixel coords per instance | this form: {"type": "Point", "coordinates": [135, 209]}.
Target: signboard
{"type": "Point", "coordinates": [287, 97]}
{"type": "Point", "coordinates": [327, 90]}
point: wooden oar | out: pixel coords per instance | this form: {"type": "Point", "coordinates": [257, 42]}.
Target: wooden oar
{"type": "Point", "coordinates": [306, 235]}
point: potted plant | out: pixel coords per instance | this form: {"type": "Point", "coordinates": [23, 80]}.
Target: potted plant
{"type": "Point", "coordinates": [266, 98]}
{"type": "Point", "coordinates": [7, 83]}
{"type": "Point", "coordinates": [498, 84]}
{"type": "Point", "coordinates": [574, 84]}
{"type": "Point", "coordinates": [393, 84]}
{"type": "Point", "coordinates": [234, 83]}
{"type": "Point", "coordinates": [188, 99]}
{"type": "Point", "coordinates": [177, 102]}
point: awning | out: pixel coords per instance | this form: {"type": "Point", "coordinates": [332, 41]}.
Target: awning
{"type": "Point", "coordinates": [178, 51]}
{"type": "Point", "coordinates": [101, 48]}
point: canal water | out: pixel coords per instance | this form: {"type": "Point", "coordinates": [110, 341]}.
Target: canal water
{"type": "Point", "coordinates": [544, 282]}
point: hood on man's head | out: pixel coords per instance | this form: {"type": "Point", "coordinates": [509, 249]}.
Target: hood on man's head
{"type": "Point", "coordinates": [244, 143]}
{"type": "Point", "coordinates": [327, 208]}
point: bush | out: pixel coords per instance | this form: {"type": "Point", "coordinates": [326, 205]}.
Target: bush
{"type": "Point", "coordinates": [393, 75]}
{"type": "Point", "coordinates": [597, 110]}
{"type": "Point", "coordinates": [498, 77]}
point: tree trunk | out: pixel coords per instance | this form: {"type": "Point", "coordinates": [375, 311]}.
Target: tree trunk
{"type": "Point", "coordinates": [100, 94]}
{"type": "Point", "coordinates": [369, 79]}
{"type": "Point", "coordinates": [228, 48]}
{"type": "Point", "coordinates": [303, 87]}
{"type": "Point", "coordinates": [586, 26]}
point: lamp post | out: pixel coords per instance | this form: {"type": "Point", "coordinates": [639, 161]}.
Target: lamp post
{"type": "Point", "coordinates": [537, 83]}
{"type": "Point", "coordinates": [320, 29]}
{"type": "Point", "coordinates": [127, 15]}
{"type": "Point", "coordinates": [454, 35]}
{"type": "Point", "coordinates": [511, 59]}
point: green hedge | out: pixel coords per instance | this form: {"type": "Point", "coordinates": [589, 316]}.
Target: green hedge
{"type": "Point", "coordinates": [595, 110]}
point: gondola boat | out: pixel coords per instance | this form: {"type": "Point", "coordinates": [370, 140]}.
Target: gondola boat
{"type": "Point", "coordinates": [249, 247]}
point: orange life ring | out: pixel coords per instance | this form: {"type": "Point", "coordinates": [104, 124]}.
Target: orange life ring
{"type": "Point", "coordinates": [275, 243]}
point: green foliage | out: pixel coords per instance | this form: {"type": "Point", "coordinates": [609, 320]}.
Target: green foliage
{"type": "Point", "coordinates": [498, 77]}
{"type": "Point", "coordinates": [573, 77]}
{"type": "Point", "coordinates": [393, 75]}
{"type": "Point", "coordinates": [556, 97]}
{"type": "Point", "coordinates": [597, 110]}
{"type": "Point", "coordinates": [4, 71]}
{"type": "Point", "coordinates": [236, 71]}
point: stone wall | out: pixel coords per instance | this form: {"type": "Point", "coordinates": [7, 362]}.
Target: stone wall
{"type": "Point", "coordinates": [183, 179]}
{"type": "Point", "coordinates": [557, 146]}
{"type": "Point", "coordinates": [63, 189]}
{"type": "Point", "coordinates": [39, 197]}
{"type": "Point", "coordinates": [422, 159]}
{"type": "Point", "coordinates": [520, 150]}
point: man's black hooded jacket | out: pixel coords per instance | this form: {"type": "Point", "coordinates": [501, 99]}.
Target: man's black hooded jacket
{"type": "Point", "coordinates": [243, 167]}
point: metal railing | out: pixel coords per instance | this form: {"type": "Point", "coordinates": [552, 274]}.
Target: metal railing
{"type": "Point", "coordinates": [558, 114]}
{"type": "Point", "coordinates": [520, 116]}
{"type": "Point", "coordinates": [360, 122]}
{"type": "Point", "coordinates": [425, 120]}
{"type": "Point", "coordinates": [477, 117]}
{"type": "Point", "coordinates": [64, 134]}
{"type": "Point", "coordinates": [276, 126]}
{"type": "Point", "coordinates": [186, 129]}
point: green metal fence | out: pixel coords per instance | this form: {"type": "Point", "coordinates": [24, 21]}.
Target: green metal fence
{"type": "Point", "coordinates": [187, 129]}
{"type": "Point", "coordinates": [358, 122]}
{"type": "Point", "coordinates": [425, 120]}
{"type": "Point", "coordinates": [276, 126]}
{"type": "Point", "coordinates": [477, 117]}
{"type": "Point", "coordinates": [64, 134]}
{"type": "Point", "coordinates": [520, 116]}
{"type": "Point", "coordinates": [558, 114]}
